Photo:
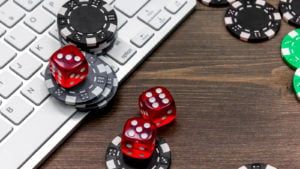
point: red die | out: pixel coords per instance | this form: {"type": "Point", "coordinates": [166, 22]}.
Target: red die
{"type": "Point", "coordinates": [68, 66]}
{"type": "Point", "coordinates": [157, 105]}
{"type": "Point", "coordinates": [138, 138]}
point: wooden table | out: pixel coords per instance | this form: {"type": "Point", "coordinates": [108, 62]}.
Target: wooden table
{"type": "Point", "coordinates": [234, 99]}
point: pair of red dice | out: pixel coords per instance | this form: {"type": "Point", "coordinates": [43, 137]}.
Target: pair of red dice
{"type": "Point", "coordinates": [158, 109]}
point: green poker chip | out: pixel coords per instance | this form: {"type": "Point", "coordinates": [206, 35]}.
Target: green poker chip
{"type": "Point", "coordinates": [296, 83]}
{"type": "Point", "coordinates": [290, 49]}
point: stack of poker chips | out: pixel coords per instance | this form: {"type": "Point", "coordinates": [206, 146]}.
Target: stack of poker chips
{"type": "Point", "coordinates": [91, 26]}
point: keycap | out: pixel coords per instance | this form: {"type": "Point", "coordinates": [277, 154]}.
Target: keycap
{"type": "Point", "coordinates": [34, 133]}
{"type": "Point", "coordinates": [111, 63]}
{"type": "Point", "coordinates": [6, 55]}
{"type": "Point", "coordinates": [5, 129]}
{"type": "Point", "coordinates": [28, 5]}
{"type": "Point", "coordinates": [26, 65]}
{"type": "Point", "coordinates": [142, 37]}
{"type": "Point", "coordinates": [10, 14]}
{"type": "Point", "coordinates": [121, 20]}
{"type": "Point", "coordinates": [173, 6]}
{"type": "Point", "coordinates": [20, 38]}
{"type": "Point", "coordinates": [2, 31]}
{"type": "Point", "coordinates": [160, 20]}
{"type": "Point", "coordinates": [35, 91]}
{"type": "Point", "coordinates": [16, 110]}
{"type": "Point", "coordinates": [45, 47]}
{"type": "Point", "coordinates": [43, 71]}
{"type": "Point", "coordinates": [53, 6]}
{"type": "Point", "coordinates": [130, 7]}
{"type": "Point", "coordinates": [148, 13]}
{"type": "Point", "coordinates": [39, 20]}
{"type": "Point", "coordinates": [54, 31]}
{"type": "Point", "coordinates": [121, 51]}
{"type": "Point", "coordinates": [9, 83]}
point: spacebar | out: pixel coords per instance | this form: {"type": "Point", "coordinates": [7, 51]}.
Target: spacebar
{"type": "Point", "coordinates": [33, 134]}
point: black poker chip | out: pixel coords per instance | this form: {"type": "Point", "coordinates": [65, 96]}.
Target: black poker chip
{"type": "Point", "coordinates": [216, 3]}
{"type": "Point", "coordinates": [257, 166]}
{"type": "Point", "coordinates": [85, 91]}
{"type": "Point", "coordinates": [115, 159]}
{"type": "Point", "coordinates": [290, 10]}
{"type": "Point", "coordinates": [252, 21]}
{"type": "Point", "coordinates": [90, 25]}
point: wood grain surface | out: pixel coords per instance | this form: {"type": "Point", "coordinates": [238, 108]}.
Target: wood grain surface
{"type": "Point", "coordinates": [234, 99]}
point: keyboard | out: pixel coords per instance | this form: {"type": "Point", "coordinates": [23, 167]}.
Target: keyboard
{"type": "Point", "coordinates": [32, 123]}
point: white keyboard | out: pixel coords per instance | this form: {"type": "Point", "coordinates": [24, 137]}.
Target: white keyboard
{"type": "Point", "coordinates": [32, 123]}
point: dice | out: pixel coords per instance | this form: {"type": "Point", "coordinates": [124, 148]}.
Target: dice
{"type": "Point", "coordinates": [157, 105]}
{"type": "Point", "coordinates": [68, 66]}
{"type": "Point", "coordinates": [138, 138]}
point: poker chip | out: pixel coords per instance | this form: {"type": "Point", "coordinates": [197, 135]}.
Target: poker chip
{"type": "Point", "coordinates": [290, 10]}
{"type": "Point", "coordinates": [84, 92]}
{"type": "Point", "coordinates": [296, 83]}
{"type": "Point", "coordinates": [290, 49]}
{"type": "Point", "coordinates": [217, 3]}
{"type": "Point", "coordinates": [257, 166]}
{"type": "Point", "coordinates": [252, 21]}
{"type": "Point", "coordinates": [90, 25]}
{"type": "Point", "coordinates": [115, 159]}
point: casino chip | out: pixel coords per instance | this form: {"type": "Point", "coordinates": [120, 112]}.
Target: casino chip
{"type": "Point", "coordinates": [115, 159]}
{"type": "Point", "coordinates": [90, 25]}
{"type": "Point", "coordinates": [290, 10]}
{"type": "Point", "coordinates": [257, 166]}
{"type": "Point", "coordinates": [217, 3]}
{"type": "Point", "coordinates": [290, 46]}
{"type": "Point", "coordinates": [252, 21]}
{"type": "Point", "coordinates": [296, 83]}
{"type": "Point", "coordinates": [84, 92]}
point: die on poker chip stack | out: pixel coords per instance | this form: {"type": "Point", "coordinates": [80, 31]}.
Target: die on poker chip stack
{"type": "Point", "coordinates": [75, 75]}
{"type": "Point", "coordinates": [139, 146]}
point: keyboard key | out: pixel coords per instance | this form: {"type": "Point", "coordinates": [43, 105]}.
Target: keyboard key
{"type": "Point", "coordinates": [16, 110]}
{"type": "Point", "coordinates": [148, 13]}
{"type": "Point", "coordinates": [20, 38]}
{"type": "Point", "coordinates": [26, 65]}
{"type": "Point", "coordinates": [121, 51]}
{"type": "Point", "coordinates": [142, 37]}
{"type": "Point", "coordinates": [39, 20]}
{"type": "Point", "coordinates": [111, 63]}
{"type": "Point", "coordinates": [5, 129]}
{"type": "Point", "coordinates": [6, 55]}
{"type": "Point", "coordinates": [175, 5]}
{"type": "Point", "coordinates": [8, 84]}
{"type": "Point", "coordinates": [28, 5]}
{"type": "Point", "coordinates": [54, 32]}
{"type": "Point", "coordinates": [45, 47]}
{"type": "Point", "coordinates": [35, 91]}
{"type": "Point", "coordinates": [10, 14]}
{"type": "Point", "coordinates": [43, 71]}
{"type": "Point", "coordinates": [53, 6]}
{"type": "Point", "coordinates": [2, 31]}
{"type": "Point", "coordinates": [34, 133]}
{"type": "Point", "coordinates": [130, 7]}
{"type": "Point", "coordinates": [160, 20]}
{"type": "Point", "coordinates": [121, 20]}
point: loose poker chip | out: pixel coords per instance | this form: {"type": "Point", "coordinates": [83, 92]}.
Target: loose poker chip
{"type": "Point", "coordinates": [290, 10]}
{"type": "Point", "coordinates": [90, 25]}
{"type": "Point", "coordinates": [86, 91]}
{"type": "Point", "coordinates": [290, 46]}
{"type": "Point", "coordinates": [296, 83]}
{"type": "Point", "coordinates": [252, 21]}
{"type": "Point", "coordinates": [217, 3]}
{"type": "Point", "coordinates": [257, 166]}
{"type": "Point", "coordinates": [161, 158]}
